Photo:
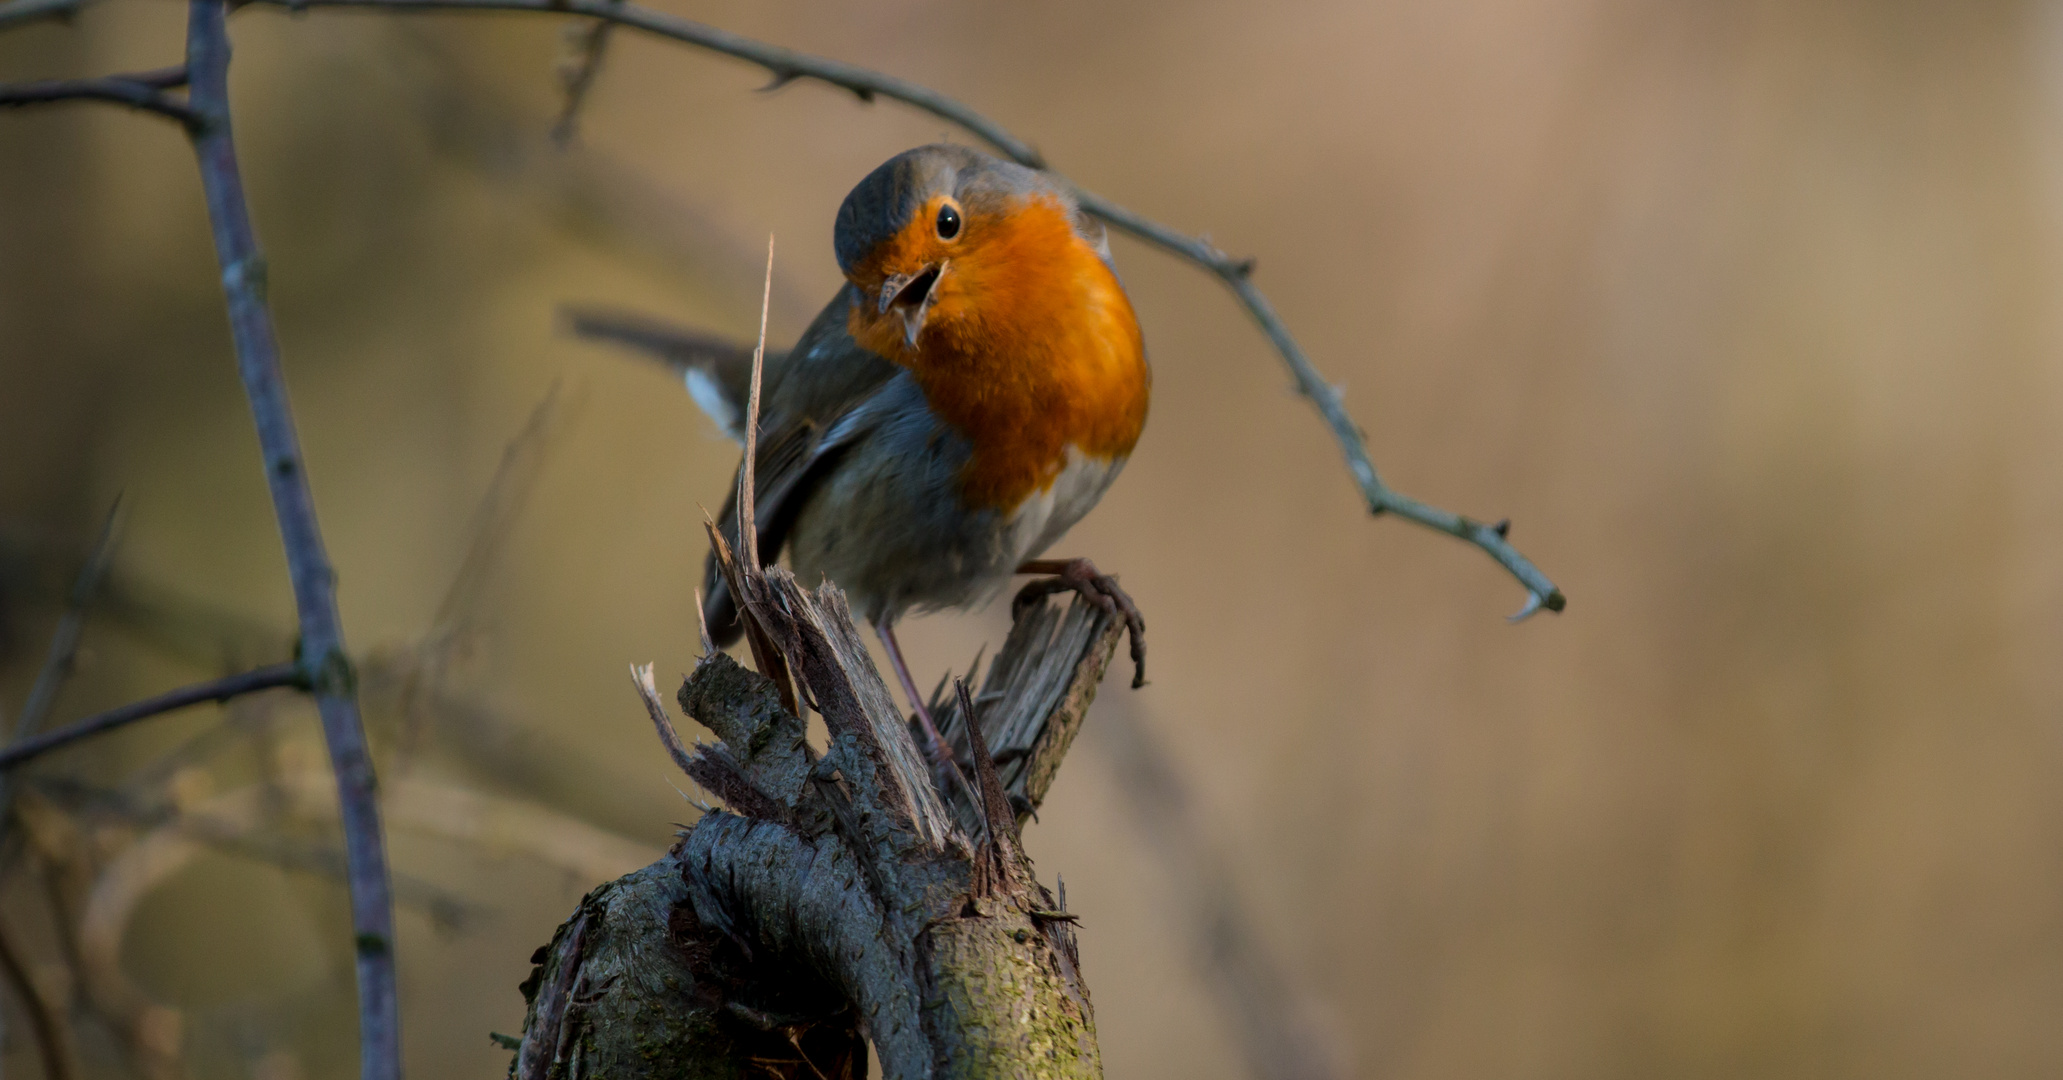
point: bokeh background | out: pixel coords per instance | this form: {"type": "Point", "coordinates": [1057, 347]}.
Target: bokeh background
{"type": "Point", "coordinates": [1744, 312]}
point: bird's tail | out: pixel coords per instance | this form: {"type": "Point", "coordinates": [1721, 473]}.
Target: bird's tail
{"type": "Point", "coordinates": [716, 369]}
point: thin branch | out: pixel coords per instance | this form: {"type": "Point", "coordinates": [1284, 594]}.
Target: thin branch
{"type": "Point", "coordinates": [64, 648]}
{"type": "Point", "coordinates": [648, 692]}
{"type": "Point", "coordinates": [787, 65]}
{"type": "Point", "coordinates": [15, 13]}
{"type": "Point", "coordinates": [135, 92]}
{"type": "Point", "coordinates": [222, 689]}
{"type": "Point", "coordinates": [64, 643]}
{"type": "Point", "coordinates": [326, 665]}
{"type": "Point", "coordinates": [585, 48]}
{"type": "Point", "coordinates": [43, 1021]}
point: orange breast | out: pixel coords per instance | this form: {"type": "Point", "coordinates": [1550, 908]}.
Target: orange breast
{"type": "Point", "coordinates": [1031, 347]}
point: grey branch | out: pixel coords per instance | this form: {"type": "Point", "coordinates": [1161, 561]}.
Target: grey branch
{"type": "Point", "coordinates": [326, 665]}
{"type": "Point", "coordinates": [15, 13]}
{"type": "Point", "coordinates": [145, 92]}
{"type": "Point", "coordinates": [45, 1023]}
{"type": "Point", "coordinates": [585, 47]}
{"type": "Point", "coordinates": [223, 689]}
{"type": "Point", "coordinates": [787, 65]}
{"type": "Point", "coordinates": [64, 651]}
{"type": "Point", "coordinates": [64, 644]}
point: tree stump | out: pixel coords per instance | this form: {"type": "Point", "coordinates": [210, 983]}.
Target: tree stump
{"type": "Point", "coordinates": [857, 895]}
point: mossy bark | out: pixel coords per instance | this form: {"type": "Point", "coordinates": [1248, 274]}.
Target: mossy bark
{"type": "Point", "coordinates": [838, 897]}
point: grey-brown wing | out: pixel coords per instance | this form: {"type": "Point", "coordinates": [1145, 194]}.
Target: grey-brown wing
{"type": "Point", "coordinates": [812, 409]}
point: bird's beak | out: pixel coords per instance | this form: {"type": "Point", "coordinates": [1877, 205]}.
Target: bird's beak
{"type": "Point", "coordinates": [911, 295]}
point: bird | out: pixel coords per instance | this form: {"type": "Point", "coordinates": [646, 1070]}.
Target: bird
{"type": "Point", "coordinates": [969, 394]}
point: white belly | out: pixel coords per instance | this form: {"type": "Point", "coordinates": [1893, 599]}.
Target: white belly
{"type": "Point", "coordinates": [1045, 516]}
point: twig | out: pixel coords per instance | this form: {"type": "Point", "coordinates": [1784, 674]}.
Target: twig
{"type": "Point", "coordinates": [15, 13]}
{"type": "Point", "coordinates": [64, 643]}
{"type": "Point", "coordinates": [787, 65]}
{"type": "Point", "coordinates": [648, 692]}
{"type": "Point", "coordinates": [64, 649]}
{"type": "Point", "coordinates": [748, 529]}
{"type": "Point", "coordinates": [422, 666]}
{"type": "Point", "coordinates": [223, 689]}
{"type": "Point", "coordinates": [133, 91]}
{"type": "Point", "coordinates": [586, 45]}
{"type": "Point", "coordinates": [326, 665]}
{"type": "Point", "coordinates": [50, 1045]}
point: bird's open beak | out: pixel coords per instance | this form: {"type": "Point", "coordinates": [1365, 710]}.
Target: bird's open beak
{"type": "Point", "coordinates": [910, 295]}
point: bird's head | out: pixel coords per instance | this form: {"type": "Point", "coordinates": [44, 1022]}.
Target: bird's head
{"type": "Point", "coordinates": [942, 240]}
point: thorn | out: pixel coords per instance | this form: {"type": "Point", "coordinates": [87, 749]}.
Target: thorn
{"type": "Point", "coordinates": [1502, 528]}
{"type": "Point", "coordinates": [780, 79]}
{"type": "Point", "coordinates": [865, 95]}
{"type": "Point", "coordinates": [1533, 604]}
{"type": "Point", "coordinates": [1245, 267]}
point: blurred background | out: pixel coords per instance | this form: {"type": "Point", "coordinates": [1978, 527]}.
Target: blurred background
{"type": "Point", "coordinates": [1742, 312]}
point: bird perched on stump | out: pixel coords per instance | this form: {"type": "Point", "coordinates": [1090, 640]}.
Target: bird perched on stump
{"type": "Point", "coordinates": [966, 397]}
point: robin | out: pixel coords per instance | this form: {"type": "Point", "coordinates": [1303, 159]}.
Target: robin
{"type": "Point", "coordinates": [967, 396]}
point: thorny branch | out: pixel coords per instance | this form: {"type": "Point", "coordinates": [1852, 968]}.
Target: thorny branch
{"type": "Point", "coordinates": [325, 662]}
{"type": "Point", "coordinates": [582, 63]}
{"type": "Point", "coordinates": [223, 689]}
{"type": "Point", "coordinates": [787, 65]}
{"type": "Point", "coordinates": [145, 91]}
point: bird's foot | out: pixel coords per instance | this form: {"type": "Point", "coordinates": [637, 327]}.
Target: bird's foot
{"type": "Point", "coordinates": [1081, 576]}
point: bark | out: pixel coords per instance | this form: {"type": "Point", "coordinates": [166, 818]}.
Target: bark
{"type": "Point", "coordinates": [840, 897]}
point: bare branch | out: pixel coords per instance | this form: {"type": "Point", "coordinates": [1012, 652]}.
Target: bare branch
{"type": "Point", "coordinates": [135, 92]}
{"type": "Point", "coordinates": [787, 65]}
{"type": "Point", "coordinates": [43, 1020]}
{"type": "Point", "coordinates": [585, 48]}
{"type": "Point", "coordinates": [64, 643]}
{"type": "Point", "coordinates": [326, 663]}
{"type": "Point", "coordinates": [15, 13]}
{"type": "Point", "coordinates": [64, 650]}
{"type": "Point", "coordinates": [655, 707]}
{"type": "Point", "coordinates": [223, 689]}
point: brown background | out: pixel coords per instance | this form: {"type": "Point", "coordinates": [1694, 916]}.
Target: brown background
{"type": "Point", "coordinates": [1743, 312]}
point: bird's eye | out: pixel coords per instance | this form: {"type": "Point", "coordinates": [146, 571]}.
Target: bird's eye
{"type": "Point", "coordinates": [948, 222]}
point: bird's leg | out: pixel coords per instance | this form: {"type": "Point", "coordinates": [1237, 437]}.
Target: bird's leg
{"type": "Point", "coordinates": [1081, 576]}
{"type": "Point", "coordinates": [940, 754]}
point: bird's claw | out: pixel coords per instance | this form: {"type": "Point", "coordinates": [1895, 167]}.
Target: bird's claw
{"type": "Point", "coordinates": [1081, 577]}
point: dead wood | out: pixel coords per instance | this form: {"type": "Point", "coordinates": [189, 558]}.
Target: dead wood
{"type": "Point", "coordinates": [839, 897]}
